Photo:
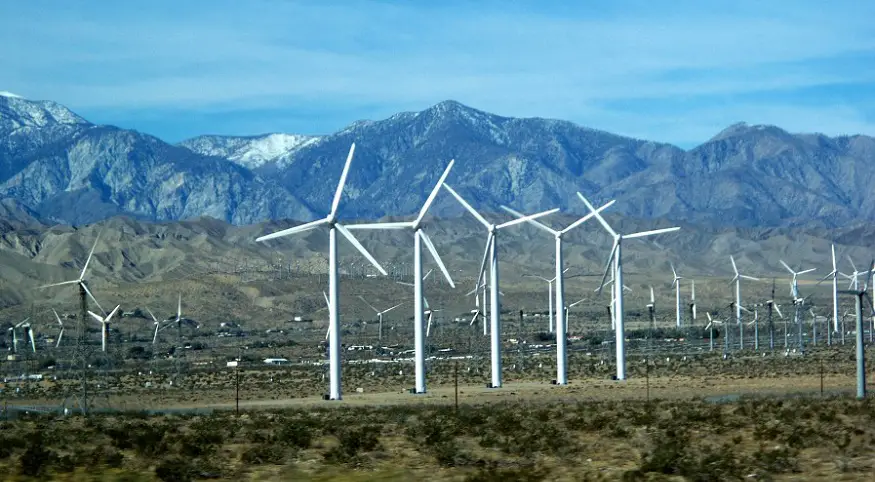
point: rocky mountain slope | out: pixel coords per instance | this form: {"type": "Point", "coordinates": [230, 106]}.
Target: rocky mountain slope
{"type": "Point", "coordinates": [65, 169]}
{"type": "Point", "coordinates": [68, 170]}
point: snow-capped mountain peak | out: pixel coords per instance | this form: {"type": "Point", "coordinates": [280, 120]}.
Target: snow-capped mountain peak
{"type": "Point", "coordinates": [4, 93]}
{"type": "Point", "coordinates": [251, 152]}
{"type": "Point", "coordinates": [18, 113]}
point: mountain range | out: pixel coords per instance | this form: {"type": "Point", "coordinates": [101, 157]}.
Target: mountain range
{"type": "Point", "coordinates": [60, 168]}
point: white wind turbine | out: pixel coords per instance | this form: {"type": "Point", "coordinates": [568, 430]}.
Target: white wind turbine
{"type": "Point", "coordinates": [157, 325]}
{"type": "Point", "coordinates": [616, 257]}
{"type": "Point", "coordinates": [28, 333]}
{"type": "Point", "coordinates": [104, 325]}
{"type": "Point", "coordinates": [334, 312]}
{"type": "Point", "coordinates": [83, 286]}
{"type": "Point", "coordinates": [710, 328]}
{"type": "Point", "coordinates": [549, 295]}
{"type": "Point", "coordinates": [738, 307]}
{"type": "Point", "coordinates": [561, 315]}
{"type": "Point", "coordinates": [61, 333]}
{"type": "Point", "coordinates": [419, 238]}
{"type": "Point", "coordinates": [835, 290]}
{"type": "Point", "coordinates": [491, 255]}
{"type": "Point", "coordinates": [15, 335]}
{"type": "Point", "coordinates": [854, 277]}
{"type": "Point", "coordinates": [676, 283]}
{"type": "Point", "coordinates": [797, 300]}
{"type": "Point", "coordinates": [380, 315]}
{"type": "Point", "coordinates": [693, 301]}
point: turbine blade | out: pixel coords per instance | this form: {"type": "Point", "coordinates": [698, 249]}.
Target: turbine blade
{"type": "Point", "coordinates": [852, 263]}
{"type": "Point", "coordinates": [88, 292]}
{"type": "Point", "coordinates": [336, 201]}
{"type": "Point", "coordinates": [587, 217]}
{"type": "Point", "coordinates": [57, 317]}
{"type": "Point", "coordinates": [483, 262]}
{"type": "Point", "coordinates": [62, 283]}
{"type": "Point", "coordinates": [598, 216]}
{"type": "Point", "coordinates": [369, 305]}
{"type": "Point", "coordinates": [392, 308]}
{"type": "Point", "coordinates": [608, 265]}
{"type": "Point", "coordinates": [295, 229]}
{"type": "Point", "coordinates": [434, 193]}
{"type": "Point", "coordinates": [749, 277]}
{"type": "Point", "coordinates": [327, 301]}
{"type": "Point", "coordinates": [468, 207]}
{"type": "Point", "coordinates": [834, 268]}
{"type": "Point", "coordinates": [355, 242]}
{"type": "Point", "coordinates": [775, 305]}
{"type": "Point", "coordinates": [673, 272]}
{"type": "Point", "coordinates": [95, 316]}
{"type": "Point", "coordinates": [785, 266]}
{"type": "Point", "coordinates": [152, 315]}
{"type": "Point", "coordinates": [734, 267]}
{"type": "Point", "coordinates": [652, 232]}
{"type": "Point", "coordinates": [437, 258]}
{"type": "Point", "coordinates": [90, 254]}
{"type": "Point", "coordinates": [112, 313]}
{"type": "Point", "coordinates": [806, 271]}
{"type": "Point", "coordinates": [526, 218]}
{"type": "Point", "coordinates": [533, 222]}
{"type": "Point", "coordinates": [380, 226]}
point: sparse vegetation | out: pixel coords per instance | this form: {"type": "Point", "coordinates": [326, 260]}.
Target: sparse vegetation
{"type": "Point", "coordinates": [813, 439]}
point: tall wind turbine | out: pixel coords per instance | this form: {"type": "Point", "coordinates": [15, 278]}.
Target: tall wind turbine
{"type": "Point", "coordinates": [83, 285]}
{"type": "Point", "coordinates": [561, 326]}
{"type": "Point", "coordinates": [334, 312]}
{"type": "Point", "coordinates": [419, 238]}
{"type": "Point", "coordinates": [616, 257]}
{"type": "Point", "coordinates": [835, 291]}
{"type": "Point", "coordinates": [693, 301]}
{"type": "Point", "coordinates": [797, 300]}
{"type": "Point", "coordinates": [738, 307]}
{"type": "Point", "coordinates": [854, 277]}
{"type": "Point", "coordinates": [104, 325]}
{"type": "Point", "coordinates": [491, 255]}
{"type": "Point", "coordinates": [676, 283]}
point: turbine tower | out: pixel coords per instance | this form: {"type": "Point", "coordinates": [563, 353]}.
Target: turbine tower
{"type": "Point", "coordinates": [334, 227]}
{"type": "Point", "coordinates": [561, 326]}
{"type": "Point", "coordinates": [616, 257]}
{"type": "Point", "coordinates": [676, 283]}
{"type": "Point", "coordinates": [491, 255]}
{"type": "Point", "coordinates": [835, 290]}
{"type": "Point", "coordinates": [419, 238]}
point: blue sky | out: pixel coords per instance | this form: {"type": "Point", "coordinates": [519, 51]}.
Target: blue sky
{"type": "Point", "coordinates": [668, 71]}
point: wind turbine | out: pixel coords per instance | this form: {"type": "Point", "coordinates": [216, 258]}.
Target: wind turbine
{"type": "Point", "coordinates": [104, 325]}
{"type": "Point", "coordinates": [419, 238]}
{"type": "Point", "coordinates": [738, 306]}
{"type": "Point", "coordinates": [28, 332]}
{"type": "Point", "coordinates": [334, 312]}
{"type": "Point", "coordinates": [561, 326]}
{"type": "Point", "coordinates": [710, 328]}
{"type": "Point", "coordinates": [855, 276]}
{"type": "Point", "coordinates": [676, 283]}
{"type": "Point", "coordinates": [549, 295]}
{"type": "Point", "coordinates": [380, 316]}
{"type": "Point", "coordinates": [859, 294]}
{"type": "Point", "coordinates": [61, 333]}
{"type": "Point", "coordinates": [83, 285]}
{"type": "Point", "coordinates": [797, 300]}
{"type": "Point", "coordinates": [835, 291]}
{"type": "Point", "coordinates": [15, 336]}
{"type": "Point", "coordinates": [693, 301]}
{"type": "Point", "coordinates": [616, 257]}
{"type": "Point", "coordinates": [491, 255]}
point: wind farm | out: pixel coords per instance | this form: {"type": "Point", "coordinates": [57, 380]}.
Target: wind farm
{"type": "Point", "coordinates": [265, 242]}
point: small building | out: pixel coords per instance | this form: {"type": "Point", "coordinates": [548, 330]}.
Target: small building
{"type": "Point", "coordinates": [276, 361]}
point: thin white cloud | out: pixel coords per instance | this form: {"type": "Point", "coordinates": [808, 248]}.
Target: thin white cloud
{"type": "Point", "coordinates": [517, 61]}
